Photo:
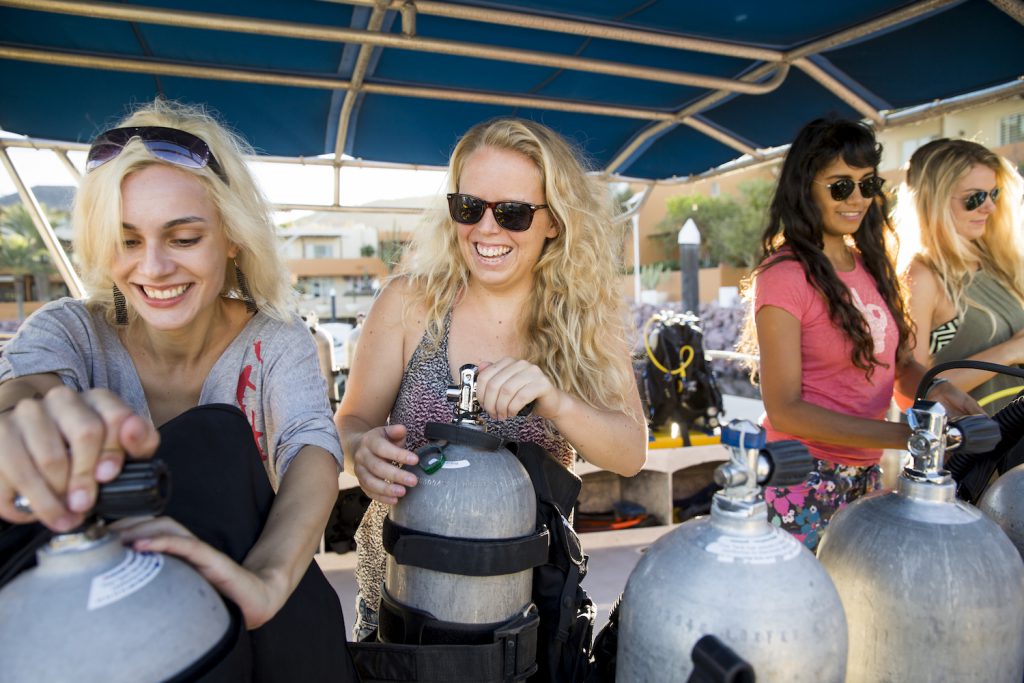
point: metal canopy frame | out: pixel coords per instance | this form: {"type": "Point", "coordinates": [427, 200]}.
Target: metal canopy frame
{"type": "Point", "coordinates": [742, 73]}
{"type": "Point", "coordinates": [771, 70]}
{"type": "Point", "coordinates": [777, 62]}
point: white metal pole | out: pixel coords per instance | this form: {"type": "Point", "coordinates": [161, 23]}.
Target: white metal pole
{"type": "Point", "coordinates": [635, 218]}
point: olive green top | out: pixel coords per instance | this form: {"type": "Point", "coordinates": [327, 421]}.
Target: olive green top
{"type": "Point", "coordinates": [988, 302]}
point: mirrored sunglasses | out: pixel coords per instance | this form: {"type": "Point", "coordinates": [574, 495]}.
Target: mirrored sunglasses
{"type": "Point", "coordinates": [975, 199]}
{"type": "Point", "coordinates": [843, 188]}
{"type": "Point", "coordinates": [514, 216]}
{"type": "Point", "coordinates": [174, 146]}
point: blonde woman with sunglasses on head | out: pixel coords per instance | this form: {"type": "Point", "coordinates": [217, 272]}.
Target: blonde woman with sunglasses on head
{"type": "Point", "coordinates": [518, 277]}
{"type": "Point", "coordinates": [966, 284]}
{"type": "Point", "coordinates": [187, 338]}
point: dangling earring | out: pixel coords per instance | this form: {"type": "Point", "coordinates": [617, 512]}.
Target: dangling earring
{"type": "Point", "coordinates": [120, 308]}
{"type": "Point", "coordinates": [243, 287]}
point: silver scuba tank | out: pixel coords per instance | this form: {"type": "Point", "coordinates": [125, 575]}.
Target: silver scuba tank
{"type": "Point", "coordinates": [471, 490]}
{"type": "Point", "coordinates": [933, 590]}
{"type": "Point", "coordinates": [95, 611]}
{"type": "Point", "coordinates": [1003, 502]}
{"type": "Point", "coordinates": [734, 576]}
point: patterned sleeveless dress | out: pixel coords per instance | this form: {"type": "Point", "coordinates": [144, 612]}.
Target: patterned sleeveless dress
{"type": "Point", "coordinates": [422, 399]}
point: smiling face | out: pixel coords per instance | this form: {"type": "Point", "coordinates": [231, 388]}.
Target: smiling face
{"type": "Point", "coordinates": [843, 217]}
{"type": "Point", "coordinates": [497, 257]}
{"type": "Point", "coordinates": [171, 269]}
{"type": "Point", "coordinates": [971, 224]}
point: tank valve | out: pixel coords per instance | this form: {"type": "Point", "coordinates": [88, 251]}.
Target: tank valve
{"type": "Point", "coordinates": [142, 488]}
{"type": "Point", "coordinates": [972, 434]}
{"type": "Point", "coordinates": [467, 408]}
{"type": "Point", "coordinates": [934, 434]}
{"type": "Point", "coordinates": [755, 463]}
{"type": "Point", "coordinates": [927, 442]}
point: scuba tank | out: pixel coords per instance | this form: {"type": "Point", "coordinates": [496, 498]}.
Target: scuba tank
{"type": "Point", "coordinates": [1003, 501]}
{"type": "Point", "coordinates": [463, 543]}
{"type": "Point", "coordinates": [737, 577]}
{"type": "Point", "coordinates": [93, 610]}
{"type": "Point", "coordinates": [1004, 504]}
{"type": "Point", "coordinates": [933, 590]}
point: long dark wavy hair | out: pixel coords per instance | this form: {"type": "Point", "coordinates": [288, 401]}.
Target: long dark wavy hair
{"type": "Point", "coordinates": [794, 233]}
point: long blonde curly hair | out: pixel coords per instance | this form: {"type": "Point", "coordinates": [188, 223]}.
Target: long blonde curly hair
{"type": "Point", "coordinates": [574, 324]}
{"type": "Point", "coordinates": [924, 209]}
{"type": "Point", "coordinates": [241, 206]}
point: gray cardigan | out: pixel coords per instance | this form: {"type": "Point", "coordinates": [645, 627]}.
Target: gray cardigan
{"type": "Point", "coordinates": [270, 371]}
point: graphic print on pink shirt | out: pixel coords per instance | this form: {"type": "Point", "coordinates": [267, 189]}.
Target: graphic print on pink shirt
{"type": "Point", "coordinates": [244, 384]}
{"type": "Point", "coordinates": [876, 318]}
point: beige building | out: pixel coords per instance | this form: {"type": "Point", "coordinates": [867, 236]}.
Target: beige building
{"type": "Point", "coordinates": [338, 259]}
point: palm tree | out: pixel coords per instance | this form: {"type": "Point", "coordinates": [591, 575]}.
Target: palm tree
{"type": "Point", "coordinates": [20, 257]}
{"type": "Point", "coordinates": [22, 252]}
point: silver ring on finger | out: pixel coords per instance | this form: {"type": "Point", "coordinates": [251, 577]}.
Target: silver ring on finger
{"type": "Point", "coordinates": [22, 505]}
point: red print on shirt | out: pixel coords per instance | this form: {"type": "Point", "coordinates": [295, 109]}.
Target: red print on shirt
{"type": "Point", "coordinates": [245, 383]}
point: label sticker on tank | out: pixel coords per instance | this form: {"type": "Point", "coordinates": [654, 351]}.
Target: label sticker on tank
{"type": "Point", "coordinates": [454, 464]}
{"type": "Point", "coordinates": [776, 546]}
{"type": "Point", "coordinates": [132, 574]}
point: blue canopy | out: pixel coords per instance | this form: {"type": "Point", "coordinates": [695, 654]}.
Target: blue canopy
{"type": "Point", "coordinates": [648, 89]}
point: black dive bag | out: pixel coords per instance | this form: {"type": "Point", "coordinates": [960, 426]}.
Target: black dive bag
{"type": "Point", "coordinates": [675, 378]}
{"type": "Point", "coordinates": [550, 643]}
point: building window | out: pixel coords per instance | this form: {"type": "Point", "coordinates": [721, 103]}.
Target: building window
{"type": "Point", "coordinates": [1011, 129]}
{"type": "Point", "coordinates": [911, 146]}
{"type": "Point", "coordinates": [322, 251]}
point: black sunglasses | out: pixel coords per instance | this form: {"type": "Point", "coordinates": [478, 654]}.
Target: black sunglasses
{"type": "Point", "coordinates": [514, 216]}
{"type": "Point", "coordinates": [975, 199]}
{"type": "Point", "coordinates": [167, 144]}
{"type": "Point", "coordinates": [843, 188]}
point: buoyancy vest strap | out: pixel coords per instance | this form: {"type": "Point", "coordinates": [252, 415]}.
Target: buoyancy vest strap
{"type": "Point", "coordinates": [496, 653]}
{"type": "Point", "coordinates": [464, 556]}
{"type": "Point", "coordinates": [466, 436]}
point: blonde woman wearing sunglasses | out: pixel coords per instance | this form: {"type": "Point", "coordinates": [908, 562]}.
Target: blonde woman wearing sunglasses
{"type": "Point", "coordinates": [187, 338]}
{"type": "Point", "coordinates": [966, 283]}
{"type": "Point", "coordinates": [517, 277]}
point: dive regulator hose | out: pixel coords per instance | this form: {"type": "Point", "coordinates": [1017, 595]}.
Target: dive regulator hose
{"type": "Point", "coordinates": [972, 471]}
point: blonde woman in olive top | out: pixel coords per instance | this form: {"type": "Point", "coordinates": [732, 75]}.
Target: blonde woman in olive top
{"type": "Point", "coordinates": [966, 283]}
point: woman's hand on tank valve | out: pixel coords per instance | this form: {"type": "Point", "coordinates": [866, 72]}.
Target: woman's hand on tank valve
{"type": "Point", "coordinates": [507, 386]}
{"type": "Point", "coordinates": [379, 461]}
{"type": "Point", "coordinates": [956, 402]}
{"type": "Point", "coordinates": [56, 449]}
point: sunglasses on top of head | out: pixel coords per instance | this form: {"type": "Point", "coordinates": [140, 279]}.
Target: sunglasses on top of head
{"type": "Point", "coordinates": [843, 188]}
{"type": "Point", "coordinates": [975, 199]}
{"type": "Point", "coordinates": [514, 216]}
{"type": "Point", "coordinates": [174, 146]}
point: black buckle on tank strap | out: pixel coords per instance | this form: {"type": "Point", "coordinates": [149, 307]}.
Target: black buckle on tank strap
{"type": "Point", "coordinates": [473, 438]}
{"type": "Point", "coordinates": [439, 651]}
{"type": "Point", "coordinates": [464, 556]}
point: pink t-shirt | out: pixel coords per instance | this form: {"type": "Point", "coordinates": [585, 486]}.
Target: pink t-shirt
{"type": "Point", "coordinates": [829, 379]}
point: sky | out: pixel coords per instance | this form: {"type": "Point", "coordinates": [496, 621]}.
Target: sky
{"type": "Point", "coordinates": [282, 183]}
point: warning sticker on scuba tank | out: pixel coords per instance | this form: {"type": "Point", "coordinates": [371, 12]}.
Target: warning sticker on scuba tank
{"type": "Point", "coordinates": [455, 464]}
{"type": "Point", "coordinates": [132, 574]}
{"type": "Point", "coordinates": [775, 546]}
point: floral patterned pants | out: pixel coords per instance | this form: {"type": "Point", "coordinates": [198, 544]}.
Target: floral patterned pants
{"type": "Point", "coordinates": [804, 510]}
